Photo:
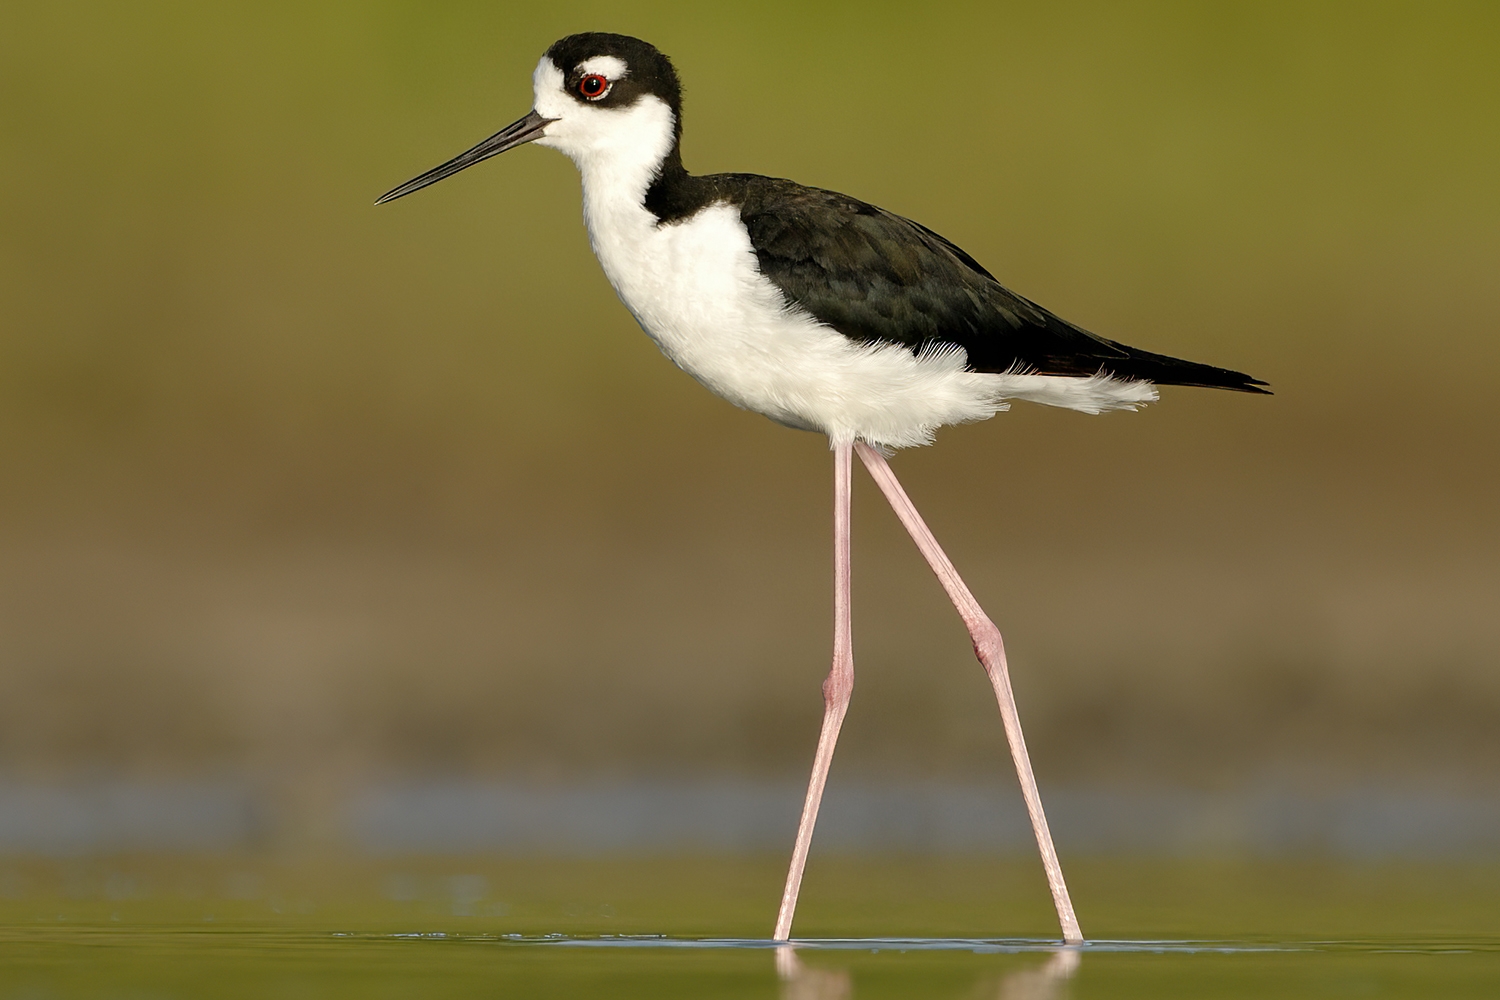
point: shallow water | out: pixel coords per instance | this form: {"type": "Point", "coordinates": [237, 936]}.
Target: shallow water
{"type": "Point", "coordinates": [459, 927]}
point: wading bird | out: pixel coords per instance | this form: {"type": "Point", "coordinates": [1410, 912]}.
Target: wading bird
{"type": "Point", "coordinates": [823, 313]}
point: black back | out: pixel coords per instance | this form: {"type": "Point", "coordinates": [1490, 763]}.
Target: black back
{"type": "Point", "coordinates": [879, 278]}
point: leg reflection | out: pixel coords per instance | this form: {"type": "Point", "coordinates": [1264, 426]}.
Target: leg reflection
{"type": "Point", "coordinates": [801, 982]}
{"type": "Point", "coordinates": [1042, 982]}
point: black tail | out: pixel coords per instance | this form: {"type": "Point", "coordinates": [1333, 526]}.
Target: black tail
{"type": "Point", "coordinates": [1043, 343]}
{"type": "Point", "coordinates": [1164, 370]}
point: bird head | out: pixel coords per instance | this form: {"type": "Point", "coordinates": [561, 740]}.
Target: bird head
{"type": "Point", "coordinates": [601, 99]}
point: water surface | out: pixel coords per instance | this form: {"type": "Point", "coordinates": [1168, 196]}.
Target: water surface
{"type": "Point", "coordinates": [694, 927]}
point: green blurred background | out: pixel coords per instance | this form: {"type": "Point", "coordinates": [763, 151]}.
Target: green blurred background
{"type": "Point", "coordinates": [312, 494]}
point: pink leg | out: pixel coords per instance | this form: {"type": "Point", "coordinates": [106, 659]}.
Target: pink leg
{"type": "Point", "coordinates": [837, 690]}
{"type": "Point", "coordinates": [991, 652]}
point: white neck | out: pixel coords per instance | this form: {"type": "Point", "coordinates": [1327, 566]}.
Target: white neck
{"type": "Point", "coordinates": [618, 170]}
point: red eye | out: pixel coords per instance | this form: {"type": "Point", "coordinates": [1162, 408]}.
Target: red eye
{"type": "Point", "coordinates": [593, 86]}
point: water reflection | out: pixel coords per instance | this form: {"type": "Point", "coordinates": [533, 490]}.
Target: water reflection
{"type": "Point", "coordinates": [803, 982]}
{"type": "Point", "coordinates": [1042, 982]}
{"type": "Point", "coordinates": [1047, 981]}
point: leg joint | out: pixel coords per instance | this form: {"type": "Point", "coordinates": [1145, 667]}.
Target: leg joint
{"type": "Point", "coordinates": [838, 687]}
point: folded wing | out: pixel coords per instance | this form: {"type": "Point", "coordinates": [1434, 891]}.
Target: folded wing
{"type": "Point", "coordinates": [879, 278]}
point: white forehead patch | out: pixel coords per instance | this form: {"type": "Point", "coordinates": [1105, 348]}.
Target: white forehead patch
{"type": "Point", "coordinates": [612, 68]}
{"type": "Point", "coordinates": [547, 77]}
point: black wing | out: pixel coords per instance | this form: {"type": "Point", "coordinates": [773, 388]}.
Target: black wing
{"type": "Point", "coordinates": [876, 277]}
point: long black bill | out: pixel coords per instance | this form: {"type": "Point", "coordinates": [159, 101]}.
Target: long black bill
{"type": "Point", "coordinates": [513, 135]}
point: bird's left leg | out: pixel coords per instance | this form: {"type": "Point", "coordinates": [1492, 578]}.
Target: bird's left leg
{"type": "Point", "coordinates": [837, 689]}
{"type": "Point", "coordinates": [990, 649]}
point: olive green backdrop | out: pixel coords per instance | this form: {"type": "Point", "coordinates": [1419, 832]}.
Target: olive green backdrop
{"type": "Point", "coordinates": [303, 489]}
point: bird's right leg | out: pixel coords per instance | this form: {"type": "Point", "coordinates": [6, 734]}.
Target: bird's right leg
{"type": "Point", "coordinates": [990, 649]}
{"type": "Point", "coordinates": [837, 689]}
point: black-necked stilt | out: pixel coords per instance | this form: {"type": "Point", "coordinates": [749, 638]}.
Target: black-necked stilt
{"type": "Point", "coordinates": [824, 313]}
